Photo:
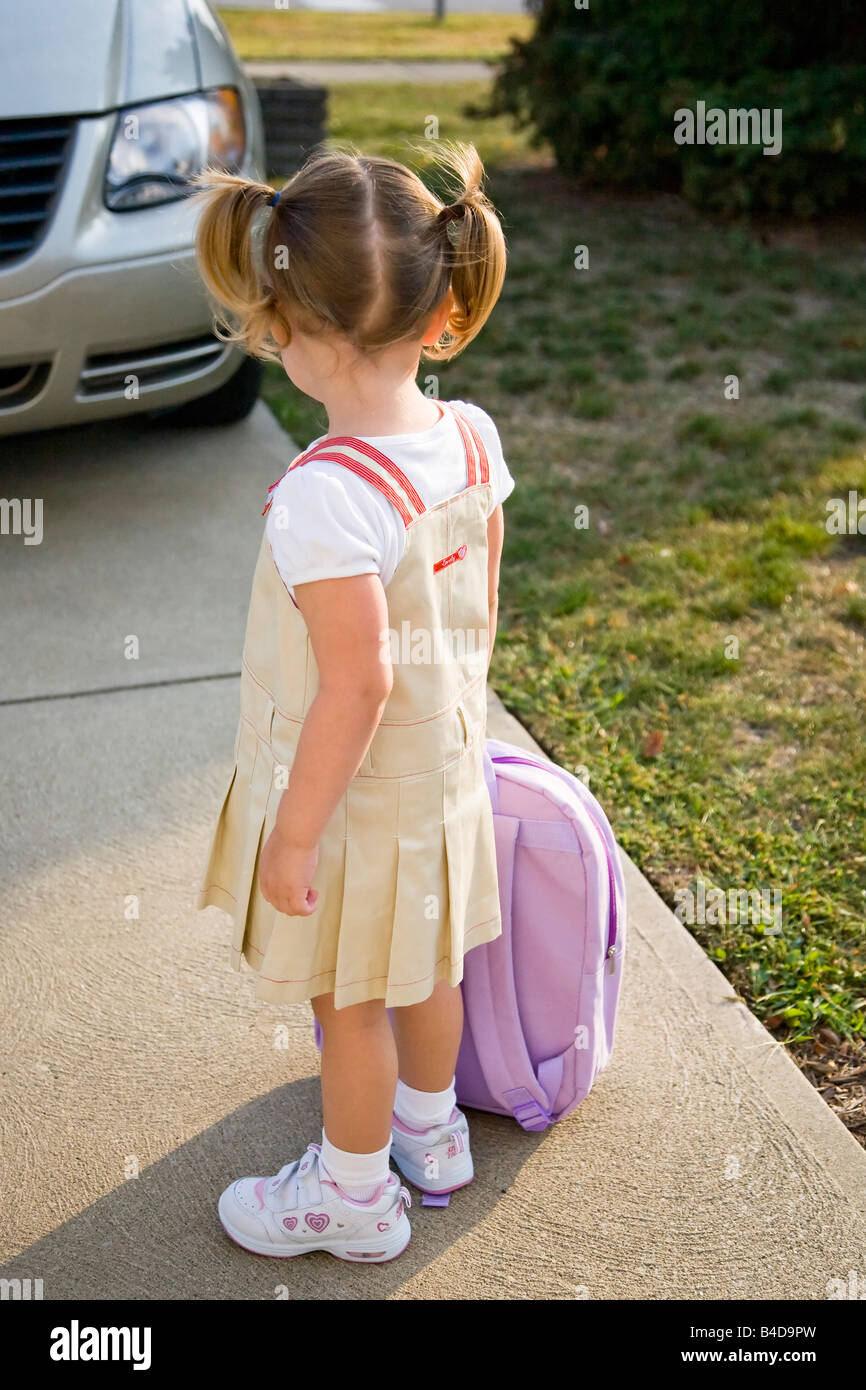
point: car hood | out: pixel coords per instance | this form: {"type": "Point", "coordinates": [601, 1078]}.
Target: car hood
{"type": "Point", "coordinates": [95, 55]}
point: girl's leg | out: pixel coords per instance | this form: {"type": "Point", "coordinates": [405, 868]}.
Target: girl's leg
{"type": "Point", "coordinates": [359, 1074]}
{"type": "Point", "coordinates": [359, 1202]}
{"type": "Point", "coordinates": [428, 1040]}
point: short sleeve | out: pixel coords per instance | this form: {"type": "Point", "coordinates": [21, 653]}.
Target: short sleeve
{"type": "Point", "coordinates": [500, 476]}
{"type": "Point", "coordinates": [324, 523]}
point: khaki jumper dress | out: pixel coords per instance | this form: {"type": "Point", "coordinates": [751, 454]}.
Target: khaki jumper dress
{"type": "Point", "coordinates": [406, 874]}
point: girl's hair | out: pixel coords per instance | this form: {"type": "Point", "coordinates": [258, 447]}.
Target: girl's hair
{"type": "Point", "coordinates": [356, 244]}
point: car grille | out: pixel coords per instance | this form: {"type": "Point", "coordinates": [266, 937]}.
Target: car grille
{"type": "Point", "coordinates": [33, 155]}
{"type": "Point", "coordinates": [108, 373]}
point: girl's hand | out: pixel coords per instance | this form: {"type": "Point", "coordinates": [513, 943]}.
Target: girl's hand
{"type": "Point", "coordinates": [285, 874]}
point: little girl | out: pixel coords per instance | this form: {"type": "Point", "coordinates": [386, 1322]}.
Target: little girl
{"type": "Point", "coordinates": [355, 845]}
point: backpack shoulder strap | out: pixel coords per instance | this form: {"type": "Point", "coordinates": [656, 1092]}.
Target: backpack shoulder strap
{"type": "Point", "coordinates": [499, 1044]}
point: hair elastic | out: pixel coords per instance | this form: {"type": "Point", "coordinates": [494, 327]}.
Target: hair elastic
{"type": "Point", "coordinates": [272, 202]}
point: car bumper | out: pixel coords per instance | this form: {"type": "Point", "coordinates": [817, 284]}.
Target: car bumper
{"type": "Point", "coordinates": [108, 340]}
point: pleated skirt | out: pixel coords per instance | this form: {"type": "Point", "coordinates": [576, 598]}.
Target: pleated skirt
{"type": "Point", "coordinates": [406, 879]}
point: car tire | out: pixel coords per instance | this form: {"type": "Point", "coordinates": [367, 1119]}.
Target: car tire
{"type": "Point", "coordinates": [228, 404]}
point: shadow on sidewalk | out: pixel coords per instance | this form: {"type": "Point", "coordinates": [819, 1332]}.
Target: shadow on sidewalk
{"type": "Point", "coordinates": [158, 1236]}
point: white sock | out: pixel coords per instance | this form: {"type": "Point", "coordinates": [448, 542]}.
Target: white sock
{"type": "Point", "coordinates": [358, 1175]}
{"type": "Point", "coordinates": [424, 1109]}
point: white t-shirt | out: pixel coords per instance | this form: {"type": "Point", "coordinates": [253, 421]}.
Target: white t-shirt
{"type": "Point", "coordinates": [325, 522]}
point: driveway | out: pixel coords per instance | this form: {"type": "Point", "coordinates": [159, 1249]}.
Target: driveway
{"type": "Point", "coordinates": [144, 1075]}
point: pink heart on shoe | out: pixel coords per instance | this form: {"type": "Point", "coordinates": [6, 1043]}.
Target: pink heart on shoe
{"type": "Point", "coordinates": [383, 1226]}
{"type": "Point", "coordinates": [317, 1220]}
{"type": "Point", "coordinates": [290, 1222]}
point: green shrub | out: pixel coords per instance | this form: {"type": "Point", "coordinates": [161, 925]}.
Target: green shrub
{"type": "Point", "coordinates": [603, 86]}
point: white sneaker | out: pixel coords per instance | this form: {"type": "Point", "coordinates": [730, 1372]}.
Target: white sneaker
{"type": "Point", "coordinates": [437, 1159]}
{"type": "Point", "coordinates": [303, 1209]}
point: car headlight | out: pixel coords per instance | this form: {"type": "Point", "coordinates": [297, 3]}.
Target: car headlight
{"type": "Point", "coordinates": [157, 147]}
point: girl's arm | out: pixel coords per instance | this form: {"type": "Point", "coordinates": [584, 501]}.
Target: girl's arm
{"type": "Point", "coordinates": [495, 538]}
{"type": "Point", "coordinates": [347, 620]}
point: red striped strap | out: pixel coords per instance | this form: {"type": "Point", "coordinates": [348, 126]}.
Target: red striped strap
{"type": "Point", "coordinates": [370, 476]}
{"type": "Point", "coordinates": [389, 479]}
{"type": "Point", "coordinates": [469, 433]}
{"type": "Point", "coordinates": [394, 486]}
{"type": "Point", "coordinates": [375, 455]}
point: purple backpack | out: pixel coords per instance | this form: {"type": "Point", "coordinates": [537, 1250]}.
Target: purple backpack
{"type": "Point", "coordinates": [540, 1001]}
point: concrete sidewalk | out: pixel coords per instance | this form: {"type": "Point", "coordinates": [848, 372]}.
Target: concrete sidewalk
{"type": "Point", "coordinates": [374, 6]}
{"type": "Point", "coordinates": [379, 70]}
{"type": "Point", "coordinates": [702, 1165]}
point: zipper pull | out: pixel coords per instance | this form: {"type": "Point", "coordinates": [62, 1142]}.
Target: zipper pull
{"type": "Point", "coordinates": [611, 955]}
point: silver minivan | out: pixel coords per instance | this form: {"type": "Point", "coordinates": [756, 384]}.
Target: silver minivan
{"type": "Point", "coordinates": [106, 107]}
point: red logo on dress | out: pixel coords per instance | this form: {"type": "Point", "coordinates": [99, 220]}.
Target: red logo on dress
{"type": "Point", "coordinates": [449, 559]}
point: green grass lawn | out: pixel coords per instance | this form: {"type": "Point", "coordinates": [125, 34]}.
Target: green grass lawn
{"type": "Point", "coordinates": [300, 34]}
{"type": "Point", "coordinates": [700, 648]}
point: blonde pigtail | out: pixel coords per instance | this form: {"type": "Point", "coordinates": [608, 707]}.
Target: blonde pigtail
{"type": "Point", "coordinates": [230, 259]}
{"type": "Point", "coordinates": [478, 254]}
